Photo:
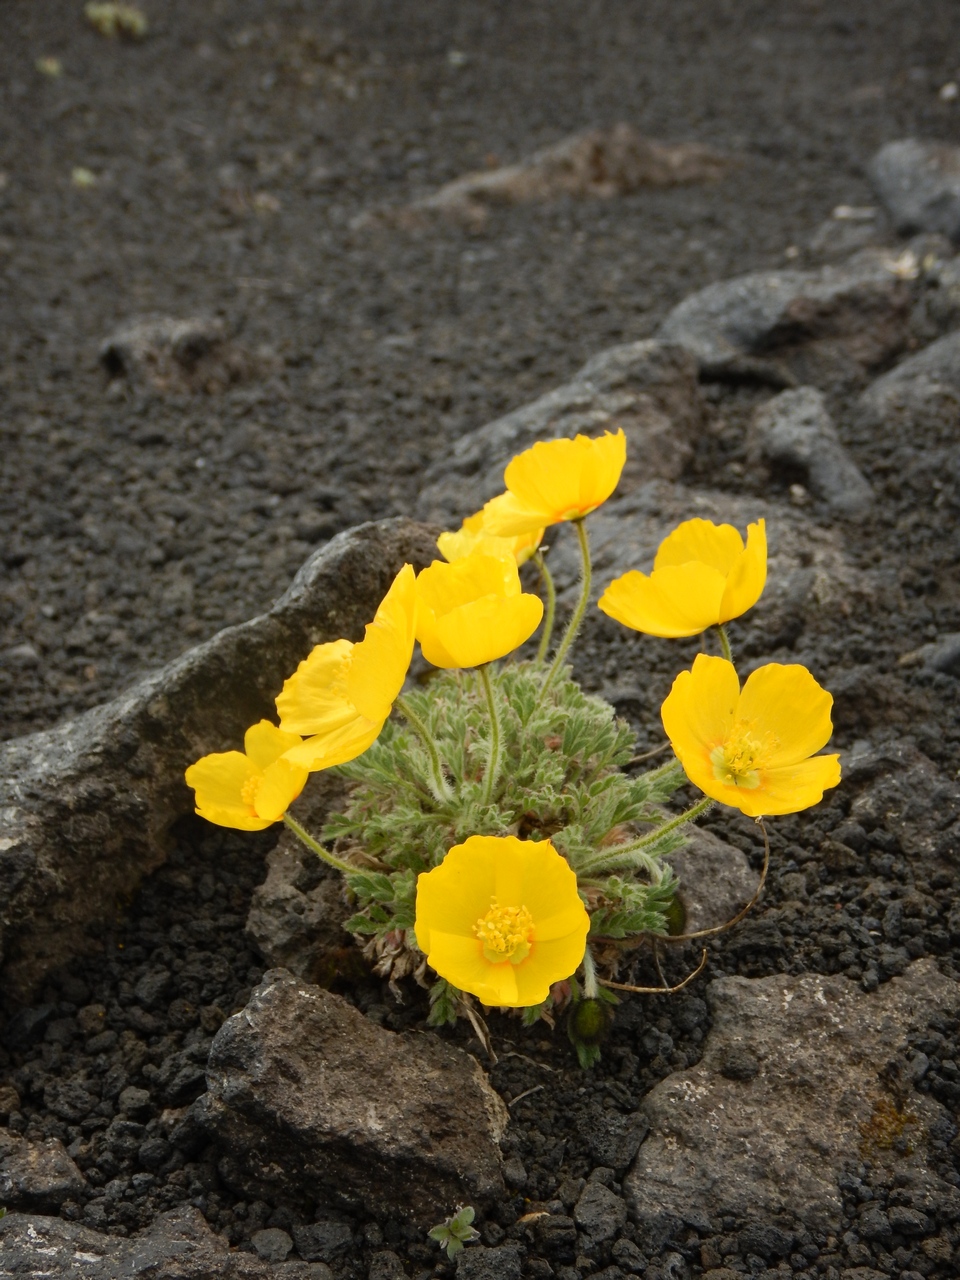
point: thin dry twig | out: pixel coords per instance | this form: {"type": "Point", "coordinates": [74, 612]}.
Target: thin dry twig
{"type": "Point", "coordinates": [649, 755]}
{"type": "Point", "coordinates": [658, 991]}
{"type": "Point", "coordinates": [526, 1094]}
{"type": "Point", "coordinates": [721, 928]}
{"type": "Point", "coordinates": [480, 1027]}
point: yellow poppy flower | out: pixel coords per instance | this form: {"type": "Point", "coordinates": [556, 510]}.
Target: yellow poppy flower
{"type": "Point", "coordinates": [249, 789]}
{"type": "Point", "coordinates": [341, 694]}
{"type": "Point", "coordinates": [473, 611]}
{"type": "Point", "coordinates": [473, 536]}
{"type": "Point", "coordinates": [502, 919]}
{"type": "Point", "coordinates": [556, 480]}
{"type": "Point", "coordinates": [703, 575]}
{"type": "Point", "coordinates": [752, 748]}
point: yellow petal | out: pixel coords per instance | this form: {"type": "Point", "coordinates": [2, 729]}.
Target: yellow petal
{"type": "Point", "coordinates": [380, 662]}
{"type": "Point", "coordinates": [218, 781]}
{"type": "Point", "coordinates": [461, 961]}
{"type": "Point", "coordinates": [549, 962]}
{"type": "Point", "coordinates": [280, 785]}
{"type": "Point", "coordinates": [747, 576]}
{"type": "Point", "coordinates": [507, 516]}
{"type": "Point", "coordinates": [717, 545]}
{"type": "Point", "coordinates": [264, 743]}
{"type": "Point", "coordinates": [442, 587]}
{"type": "Point", "coordinates": [457, 893]}
{"type": "Point", "coordinates": [558, 480]}
{"type": "Point", "coordinates": [484, 630]}
{"type": "Point", "coordinates": [793, 787]}
{"type": "Point", "coordinates": [346, 742]}
{"type": "Point", "coordinates": [700, 709]}
{"type": "Point", "coordinates": [788, 710]}
{"type": "Point", "coordinates": [314, 699]}
{"type": "Point", "coordinates": [678, 600]}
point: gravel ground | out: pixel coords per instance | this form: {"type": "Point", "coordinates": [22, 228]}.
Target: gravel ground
{"type": "Point", "coordinates": [233, 153]}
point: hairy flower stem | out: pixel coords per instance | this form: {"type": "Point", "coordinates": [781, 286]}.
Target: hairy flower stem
{"type": "Point", "coordinates": [551, 610]}
{"type": "Point", "coordinates": [590, 984]}
{"type": "Point", "coordinates": [573, 626]}
{"type": "Point", "coordinates": [724, 642]}
{"type": "Point", "coordinates": [315, 846]}
{"type": "Point", "coordinates": [619, 854]}
{"type": "Point", "coordinates": [492, 775]}
{"type": "Point", "coordinates": [438, 783]}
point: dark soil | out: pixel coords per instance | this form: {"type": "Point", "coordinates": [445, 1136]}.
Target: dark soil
{"type": "Point", "coordinates": [234, 148]}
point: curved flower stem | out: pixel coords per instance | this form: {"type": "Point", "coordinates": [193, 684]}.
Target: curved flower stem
{"type": "Point", "coordinates": [613, 856]}
{"type": "Point", "coordinates": [724, 642]}
{"type": "Point", "coordinates": [439, 785]}
{"type": "Point", "coordinates": [316, 847]}
{"type": "Point", "coordinates": [551, 610]}
{"type": "Point", "coordinates": [590, 983]}
{"type": "Point", "coordinates": [492, 775]}
{"type": "Point", "coordinates": [573, 626]}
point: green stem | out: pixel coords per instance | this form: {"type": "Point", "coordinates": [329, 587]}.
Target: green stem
{"type": "Point", "coordinates": [492, 775]}
{"type": "Point", "coordinates": [439, 785]}
{"type": "Point", "coordinates": [573, 626]}
{"type": "Point", "coordinates": [590, 985]}
{"type": "Point", "coordinates": [724, 642]}
{"type": "Point", "coordinates": [615, 855]}
{"type": "Point", "coordinates": [551, 610]}
{"type": "Point", "coordinates": [316, 847]}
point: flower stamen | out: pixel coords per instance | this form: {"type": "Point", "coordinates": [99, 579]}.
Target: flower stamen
{"type": "Point", "coordinates": [506, 933]}
{"type": "Point", "coordinates": [248, 792]}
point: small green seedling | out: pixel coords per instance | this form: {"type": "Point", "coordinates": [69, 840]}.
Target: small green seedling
{"type": "Point", "coordinates": [455, 1232]}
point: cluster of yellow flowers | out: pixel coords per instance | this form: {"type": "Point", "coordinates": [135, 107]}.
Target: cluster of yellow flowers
{"type": "Point", "coordinates": [500, 917]}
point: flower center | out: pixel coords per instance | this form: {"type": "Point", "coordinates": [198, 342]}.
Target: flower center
{"type": "Point", "coordinates": [506, 933]}
{"type": "Point", "coordinates": [248, 792]}
{"type": "Point", "coordinates": [738, 761]}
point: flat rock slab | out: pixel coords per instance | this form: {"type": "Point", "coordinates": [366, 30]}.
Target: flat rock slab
{"type": "Point", "coordinates": [782, 1103]}
{"type": "Point", "coordinates": [716, 880]}
{"type": "Point", "coordinates": [932, 374]}
{"type": "Point", "coordinates": [36, 1175]}
{"type": "Point", "coordinates": [178, 1246]}
{"type": "Point", "coordinates": [87, 806]}
{"type": "Point", "coordinates": [309, 1100]}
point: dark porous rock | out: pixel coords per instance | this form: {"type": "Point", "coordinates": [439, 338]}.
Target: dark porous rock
{"type": "Point", "coordinates": [925, 382]}
{"type": "Point", "coordinates": [480, 1263]}
{"type": "Point", "coordinates": [177, 1246]}
{"type": "Point", "coordinates": [323, 1241]}
{"type": "Point", "coordinates": [36, 1175]}
{"type": "Point", "coordinates": [898, 788]}
{"type": "Point", "coordinates": [271, 1244]}
{"type": "Point", "coordinates": [385, 1265]}
{"type": "Point", "coordinates": [599, 1213]}
{"type": "Point", "coordinates": [919, 184]}
{"type": "Point", "coordinates": [776, 1143]}
{"type": "Point", "coordinates": [795, 433]}
{"type": "Point", "coordinates": [766, 1240]}
{"type": "Point", "coordinates": [716, 880]}
{"type": "Point", "coordinates": [309, 1100]}
{"type": "Point", "coordinates": [613, 1139]}
{"type": "Point", "coordinates": [788, 326]}
{"type": "Point", "coordinates": [171, 355]}
{"type": "Point", "coordinates": [648, 388]}
{"type": "Point", "coordinates": [103, 790]}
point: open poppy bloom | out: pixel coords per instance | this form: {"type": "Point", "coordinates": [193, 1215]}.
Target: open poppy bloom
{"type": "Point", "coordinates": [556, 480]}
{"type": "Point", "coordinates": [342, 693]}
{"type": "Point", "coordinates": [501, 918]}
{"type": "Point", "coordinates": [752, 748]}
{"type": "Point", "coordinates": [473, 611]}
{"type": "Point", "coordinates": [473, 536]}
{"type": "Point", "coordinates": [249, 789]}
{"type": "Point", "coordinates": [703, 575]}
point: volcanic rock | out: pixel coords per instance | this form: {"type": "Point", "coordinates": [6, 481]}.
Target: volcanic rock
{"type": "Point", "coordinates": [775, 1142]}
{"type": "Point", "coordinates": [309, 1100]}
{"type": "Point", "coordinates": [648, 388]}
{"type": "Point", "coordinates": [36, 1175]}
{"type": "Point", "coordinates": [794, 431]}
{"type": "Point", "coordinates": [930, 376]}
{"type": "Point", "coordinates": [87, 805]}
{"type": "Point", "coordinates": [716, 880]}
{"type": "Point", "coordinates": [170, 355]}
{"type": "Point", "coordinates": [919, 183]}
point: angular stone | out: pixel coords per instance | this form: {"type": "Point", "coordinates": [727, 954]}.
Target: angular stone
{"type": "Point", "coordinates": [171, 355]}
{"type": "Point", "coordinates": [649, 389]}
{"type": "Point", "coordinates": [794, 430]}
{"type": "Point", "coordinates": [921, 382]}
{"type": "Point", "coordinates": [785, 326]}
{"type": "Point", "coordinates": [919, 184]}
{"type": "Point", "coordinates": [898, 788]}
{"type": "Point", "coordinates": [777, 1142]}
{"type": "Point", "coordinates": [480, 1263]}
{"type": "Point", "coordinates": [599, 1213]}
{"type": "Point", "coordinates": [309, 1100]}
{"type": "Point", "coordinates": [178, 1246]}
{"type": "Point", "coordinates": [36, 1175]}
{"type": "Point", "coordinates": [107, 786]}
{"type": "Point", "coordinates": [271, 1244]}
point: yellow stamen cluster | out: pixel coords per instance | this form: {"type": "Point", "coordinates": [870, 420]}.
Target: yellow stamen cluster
{"type": "Point", "coordinates": [505, 932]}
{"type": "Point", "coordinates": [248, 792]}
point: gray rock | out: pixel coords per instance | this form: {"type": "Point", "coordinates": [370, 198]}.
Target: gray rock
{"type": "Point", "coordinates": [599, 1212]}
{"type": "Point", "coordinates": [480, 1263]}
{"type": "Point", "coordinates": [919, 184]}
{"type": "Point", "coordinates": [308, 1098]}
{"type": "Point", "coordinates": [178, 1246]}
{"type": "Point", "coordinates": [898, 788]}
{"type": "Point", "coordinates": [848, 230]}
{"type": "Point", "coordinates": [785, 326]}
{"type": "Point", "coordinates": [614, 1139]}
{"type": "Point", "coordinates": [271, 1244]}
{"type": "Point", "coordinates": [170, 355]}
{"type": "Point", "coordinates": [776, 1144]}
{"type": "Point", "coordinates": [716, 880]}
{"type": "Point", "coordinates": [323, 1241]}
{"type": "Point", "coordinates": [648, 388]}
{"type": "Point", "coordinates": [36, 1175]}
{"type": "Point", "coordinates": [795, 430]}
{"type": "Point", "coordinates": [942, 654]}
{"type": "Point", "coordinates": [385, 1265]}
{"type": "Point", "coordinates": [104, 789]}
{"type": "Point", "coordinates": [919, 383]}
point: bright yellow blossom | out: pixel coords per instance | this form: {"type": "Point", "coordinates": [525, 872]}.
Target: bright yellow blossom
{"type": "Point", "coordinates": [473, 536]}
{"type": "Point", "coordinates": [501, 918]}
{"type": "Point", "coordinates": [752, 748]}
{"type": "Point", "coordinates": [342, 693]}
{"type": "Point", "coordinates": [556, 480]}
{"type": "Point", "coordinates": [249, 789]}
{"type": "Point", "coordinates": [473, 611]}
{"type": "Point", "coordinates": [703, 575]}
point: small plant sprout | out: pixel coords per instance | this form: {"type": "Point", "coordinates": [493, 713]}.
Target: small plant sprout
{"type": "Point", "coordinates": [454, 1232]}
{"type": "Point", "coordinates": [498, 843]}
